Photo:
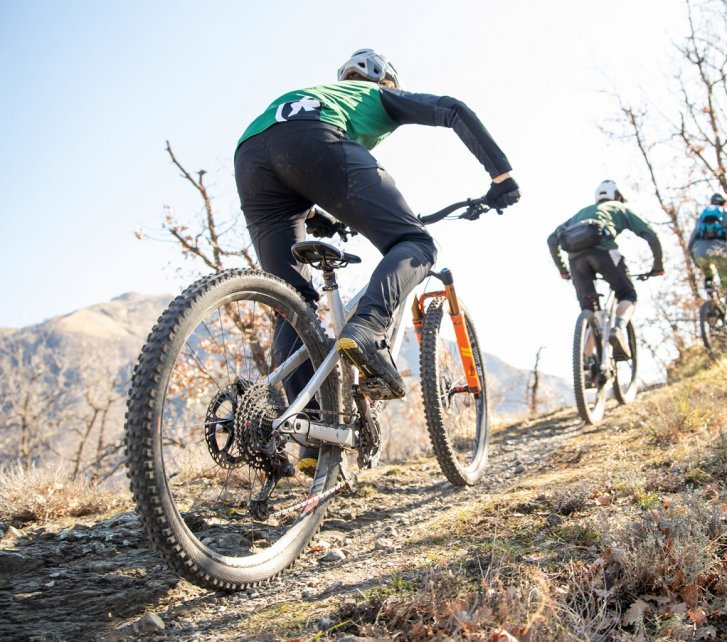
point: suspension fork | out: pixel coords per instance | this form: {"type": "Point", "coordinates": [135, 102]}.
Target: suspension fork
{"type": "Point", "coordinates": [460, 327]}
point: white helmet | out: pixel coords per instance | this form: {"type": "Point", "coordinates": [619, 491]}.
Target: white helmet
{"type": "Point", "coordinates": [608, 191]}
{"type": "Point", "coordinates": [370, 65]}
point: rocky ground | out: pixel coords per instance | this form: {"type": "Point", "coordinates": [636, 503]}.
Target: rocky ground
{"type": "Point", "coordinates": [98, 580]}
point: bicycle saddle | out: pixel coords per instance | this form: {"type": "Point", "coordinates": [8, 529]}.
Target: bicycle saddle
{"type": "Point", "coordinates": [322, 255]}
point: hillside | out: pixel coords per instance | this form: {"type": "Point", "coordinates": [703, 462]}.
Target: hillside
{"type": "Point", "coordinates": [613, 532]}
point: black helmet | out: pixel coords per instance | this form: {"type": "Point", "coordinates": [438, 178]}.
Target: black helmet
{"type": "Point", "coordinates": [717, 199]}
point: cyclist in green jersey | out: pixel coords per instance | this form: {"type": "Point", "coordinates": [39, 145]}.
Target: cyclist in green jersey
{"type": "Point", "coordinates": [311, 147]}
{"type": "Point", "coordinates": [589, 238]}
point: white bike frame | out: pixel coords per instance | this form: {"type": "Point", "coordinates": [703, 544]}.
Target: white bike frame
{"type": "Point", "coordinates": [290, 422]}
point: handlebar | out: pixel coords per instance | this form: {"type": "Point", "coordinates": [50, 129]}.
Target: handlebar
{"type": "Point", "coordinates": [474, 208]}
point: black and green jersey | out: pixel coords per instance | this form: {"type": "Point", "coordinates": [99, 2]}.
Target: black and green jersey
{"type": "Point", "coordinates": [615, 218]}
{"type": "Point", "coordinates": [368, 113]}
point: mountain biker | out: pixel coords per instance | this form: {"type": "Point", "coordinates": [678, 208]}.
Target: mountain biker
{"type": "Point", "coordinates": [708, 242]}
{"type": "Point", "coordinates": [310, 147]}
{"type": "Point", "coordinates": [589, 238]}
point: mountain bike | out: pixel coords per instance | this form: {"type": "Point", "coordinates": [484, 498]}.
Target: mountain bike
{"type": "Point", "coordinates": [713, 323]}
{"type": "Point", "coordinates": [595, 369]}
{"type": "Point", "coordinates": [213, 442]}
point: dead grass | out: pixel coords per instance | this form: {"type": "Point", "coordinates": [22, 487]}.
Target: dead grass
{"type": "Point", "coordinates": [620, 536]}
{"type": "Point", "coordinates": [39, 495]}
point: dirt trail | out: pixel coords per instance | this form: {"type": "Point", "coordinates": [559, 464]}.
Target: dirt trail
{"type": "Point", "coordinates": [95, 581]}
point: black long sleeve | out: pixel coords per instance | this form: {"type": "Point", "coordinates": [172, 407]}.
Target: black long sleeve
{"type": "Point", "coordinates": [442, 111]}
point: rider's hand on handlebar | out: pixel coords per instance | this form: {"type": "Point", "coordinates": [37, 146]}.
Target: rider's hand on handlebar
{"type": "Point", "coordinates": [321, 224]}
{"type": "Point", "coordinates": [656, 271]}
{"type": "Point", "coordinates": [503, 194]}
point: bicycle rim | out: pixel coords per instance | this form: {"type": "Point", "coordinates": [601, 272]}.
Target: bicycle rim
{"type": "Point", "coordinates": [588, 383]}
{"type": "Point", "coordinates": [625, 385]}
{"type": "Point", "coordinates": [458, 420]}
{"type": "Point", "coordinates": [199, 423]}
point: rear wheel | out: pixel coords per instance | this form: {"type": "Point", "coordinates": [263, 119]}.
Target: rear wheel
{"type": "Point", "coordinates": [589, 382]}
{"type": "Point", "coordinates": [458, 420]}
{"type": "Point", "coordinates": [713, 328]}
{"type": "Point", "coordinates": [217, 490]}
{"type": "Point", "coordinates": [625, 385]}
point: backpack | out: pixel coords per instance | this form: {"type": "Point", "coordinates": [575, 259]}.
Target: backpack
{"type": "Point", "coordinates": [580, 235]}
{"type": "Point", "coordinates": [711, 224]}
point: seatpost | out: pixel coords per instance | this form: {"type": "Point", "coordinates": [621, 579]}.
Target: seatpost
{"type": "Point", "coordinates": [330, 287]}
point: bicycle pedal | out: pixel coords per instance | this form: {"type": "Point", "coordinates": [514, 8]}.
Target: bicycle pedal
{"type": "Point", "coordinates": [376, 388]}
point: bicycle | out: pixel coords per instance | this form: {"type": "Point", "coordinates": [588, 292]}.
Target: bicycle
{"type": "Point", "coordinates": [713, 323]}
{"type": "Point", "coordinates": [211, 435]}
{"type": "Point", "coordinates": [594, 365]}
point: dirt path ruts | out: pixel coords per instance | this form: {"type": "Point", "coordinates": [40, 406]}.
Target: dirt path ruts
{"type": "Point", "coordinates": [95, 581]}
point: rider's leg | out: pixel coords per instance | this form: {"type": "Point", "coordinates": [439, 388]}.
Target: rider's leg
{"type": "Point", "coordinates": [323, 166]}
{"type": "Point", "coordinates": [614, 270]}
{"type": "Point", "coordinates": [274, 226]}
{"type": "Point", "coordinates": [583, 277]}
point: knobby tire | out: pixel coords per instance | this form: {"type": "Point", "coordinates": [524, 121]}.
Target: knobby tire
{"type": "Point", "coordinates": [170, 534]}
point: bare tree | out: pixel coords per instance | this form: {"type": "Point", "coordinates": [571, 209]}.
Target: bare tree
{"type": "Point", "coordinates": [683, 156]}
{"type": "Point", "coordinates": [206, 239]}
{"type": "Point", "coordinates": [98, 394]}
{"type": "Point", "coordinates": [32, 399]}
{"type": "Point", "coordinates": [531, 393]}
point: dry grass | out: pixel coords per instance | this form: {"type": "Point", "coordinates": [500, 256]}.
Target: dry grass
{"type": "Point", "coordinates": [627, 543]}
{"type": "Point", "coordinates": [39, 495]}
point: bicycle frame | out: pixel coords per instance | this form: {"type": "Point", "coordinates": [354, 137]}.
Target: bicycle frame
{"type": "Point", "coordinates": [603, 318]}
{"type": "Point", "coordinates": [291, 423]}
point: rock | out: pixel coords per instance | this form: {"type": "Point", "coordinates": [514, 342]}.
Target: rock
{"type": "Point", "coordinates": [16, 532]}
{"type": "Point", "coordinates": [384, 544]}
{"type": "Point", "coordinates": [334, 555]}
{"type": "Point", "coordinates": [308, 593]}
{"type": "Point", "coordinates": [325, 623]}
{"type": "Point", "coordinates": [11, 562]}
{"type": "Point", "coordinates": [553, 519]}
{"type": "Point", "coordinates": [151, 623]}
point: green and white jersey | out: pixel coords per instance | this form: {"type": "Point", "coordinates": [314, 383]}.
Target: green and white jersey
{"type": "Point", "coordinates": [368, 113]}
{"type": "Point", "coordinates": [353, 106]}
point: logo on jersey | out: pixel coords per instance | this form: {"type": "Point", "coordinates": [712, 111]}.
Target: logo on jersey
{"type": "Point", "coordinates": [306, 108]}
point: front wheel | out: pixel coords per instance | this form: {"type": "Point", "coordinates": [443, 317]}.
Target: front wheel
{"type": "Point", "coordinates": [458, 420]}
{"type": "Point", "coordinates": [625, 384]}
{"type": "Point", "coordinates": [218, 491]}
{"type": "Point", "coordinates": [713, 328]}
{"type": "Point", "coordinates": [589, 381]}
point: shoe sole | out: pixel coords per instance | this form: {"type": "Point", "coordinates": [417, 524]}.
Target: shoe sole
{"type": "Point", "coordinates": [618, 352]}
{"type": "Point", "coordinates": [373, 386]}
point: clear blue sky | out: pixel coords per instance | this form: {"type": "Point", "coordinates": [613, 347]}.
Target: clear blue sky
{"type": "Point", "coordinates": [91, 90]}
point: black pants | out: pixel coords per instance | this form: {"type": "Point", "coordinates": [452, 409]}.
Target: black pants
{"type": "Point", "coordinates": [611, 265]}
{"type": "Point", "coordinates": [291, 166]}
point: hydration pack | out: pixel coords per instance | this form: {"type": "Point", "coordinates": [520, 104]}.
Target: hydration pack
{"type": "Point", "coordinates": [580, 235]}
{"type": "Point", "coordinates": [711, 223]}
